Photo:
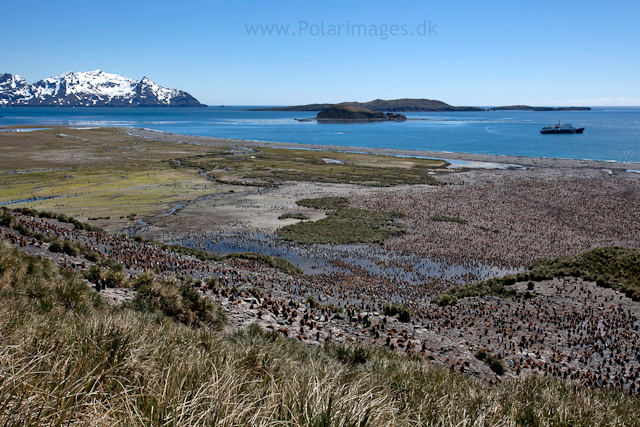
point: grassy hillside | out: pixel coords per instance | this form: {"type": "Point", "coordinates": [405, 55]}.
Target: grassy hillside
{"type": "Point", "coordinates": [67, 359]}
{"type": "Point", "coordinates": [610, 267]}
{"type": "Point", "coordinates": [615, 267]}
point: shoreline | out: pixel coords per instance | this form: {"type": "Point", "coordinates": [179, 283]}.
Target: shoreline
{"type": "Point", "coordinates": [533, 162]}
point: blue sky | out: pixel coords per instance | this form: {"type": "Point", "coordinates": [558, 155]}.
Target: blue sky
{"type": "Point", "coordinates": [478, 53]}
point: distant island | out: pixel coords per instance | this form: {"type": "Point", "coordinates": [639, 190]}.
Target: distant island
{"type": "Point", "coordinates": [530, 108]}
{"type": "Point", "coordinates": [393, 105]}
{"type": "Point", "coordinates": [90, 89]}
{"type": "Point", "coordinates": [355, 113]}
{"type": "Point", "coordinates": [415, 105]}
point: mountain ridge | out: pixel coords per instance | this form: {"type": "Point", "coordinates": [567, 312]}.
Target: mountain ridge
{"type": "Point", "coordinates": [90, 89]}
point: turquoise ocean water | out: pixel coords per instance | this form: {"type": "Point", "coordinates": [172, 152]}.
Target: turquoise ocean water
{"type": "Point", "coordinates": [612, 134]}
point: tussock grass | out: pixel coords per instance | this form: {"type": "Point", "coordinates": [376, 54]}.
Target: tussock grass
{"type": "Point", "coordinates": [496, 287]}
{"type": "Point", "coordinates": [293, 215]}
{"type": "Point", "coordinates": [182, 250]}
{"type": "Point", "coordinates": [116, 278]}
{"type": "Point", "coordinates": [56, 245]}
{"type": "Point", "coordinates": [177, 300]}
{"type": "Point", "coordinates": [404, 314]}
{"type": "Point", "coordinates": [344, 225]}
{"type": "Point", "coordinates": [494, 363]}
{"type": "Point", "coordinates": [610, 267]}
{"type": "Point", "coordinates": [66, 359]}
{"type": "Point", "coordinates": [331, 202]}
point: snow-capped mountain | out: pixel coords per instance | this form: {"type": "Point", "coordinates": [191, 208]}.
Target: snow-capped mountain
{"type": "Point", "coordinates": [90, 89]}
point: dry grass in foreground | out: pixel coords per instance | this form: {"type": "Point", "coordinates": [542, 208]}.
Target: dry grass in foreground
{"type": "Point", "coordinates": [66, 359]}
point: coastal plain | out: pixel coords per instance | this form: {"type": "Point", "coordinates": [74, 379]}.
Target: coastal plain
{"type": "Point", "coordinates": [454, 218]}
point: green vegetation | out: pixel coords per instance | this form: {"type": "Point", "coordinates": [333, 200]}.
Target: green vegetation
{"type": "Point", "coordinates": [610, 267]}
{"type": "Point", "coordinates": [332, 202]}
{"type": "Point", "coordinates": [112, 264]}
{"type": "Point", "coordinates": [404, 314]}
{"type": "Point", "coordinates": [496, 286]}
{"type": "Point", "coordinates": [614, 267]}
{"type": "Point", "coordinates": [34, 284]}
{"type": "Point", "coordinates": [68, 359]}
{"type": "Point", "coordinates": [333, 308]}
{"type": "Point", "coordinates": [177, 300]}
{"type": "Point", "coordinates": [344, 225]}
{"type": "Point", "coordinates": [274, 165]}
{"type": "Point", "coordinates": [115, 278]}
{"type": "Point", "coordinates": [294, 215]}
{"type": "Point", "coordinates": [352, 355]}
{"type": "Point", "coordinates": [106, 191]}
{"type": "Point", "coordinates": [494, 363]}
{"type": "Point", "coordinates": [97, 173]}
{"type": "Point", "coordinates": [448, 219]}
{"type": "Point", "coordinates": [66, 247]}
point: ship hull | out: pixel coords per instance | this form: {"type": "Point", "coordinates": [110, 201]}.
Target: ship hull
{"type": "Point", "coordinates": [578, 130]}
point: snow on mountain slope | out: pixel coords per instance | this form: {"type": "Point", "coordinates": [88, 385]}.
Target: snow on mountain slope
{"type": "Point", "coordinates": [92, 88]}
{"type": "Point", "coordinates": [12, 87]}
{"type": "Point", "coordinates": [11, 82]}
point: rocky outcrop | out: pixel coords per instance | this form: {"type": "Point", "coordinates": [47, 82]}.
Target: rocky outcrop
{"type": "Point", "coordinates": [354, 113]}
